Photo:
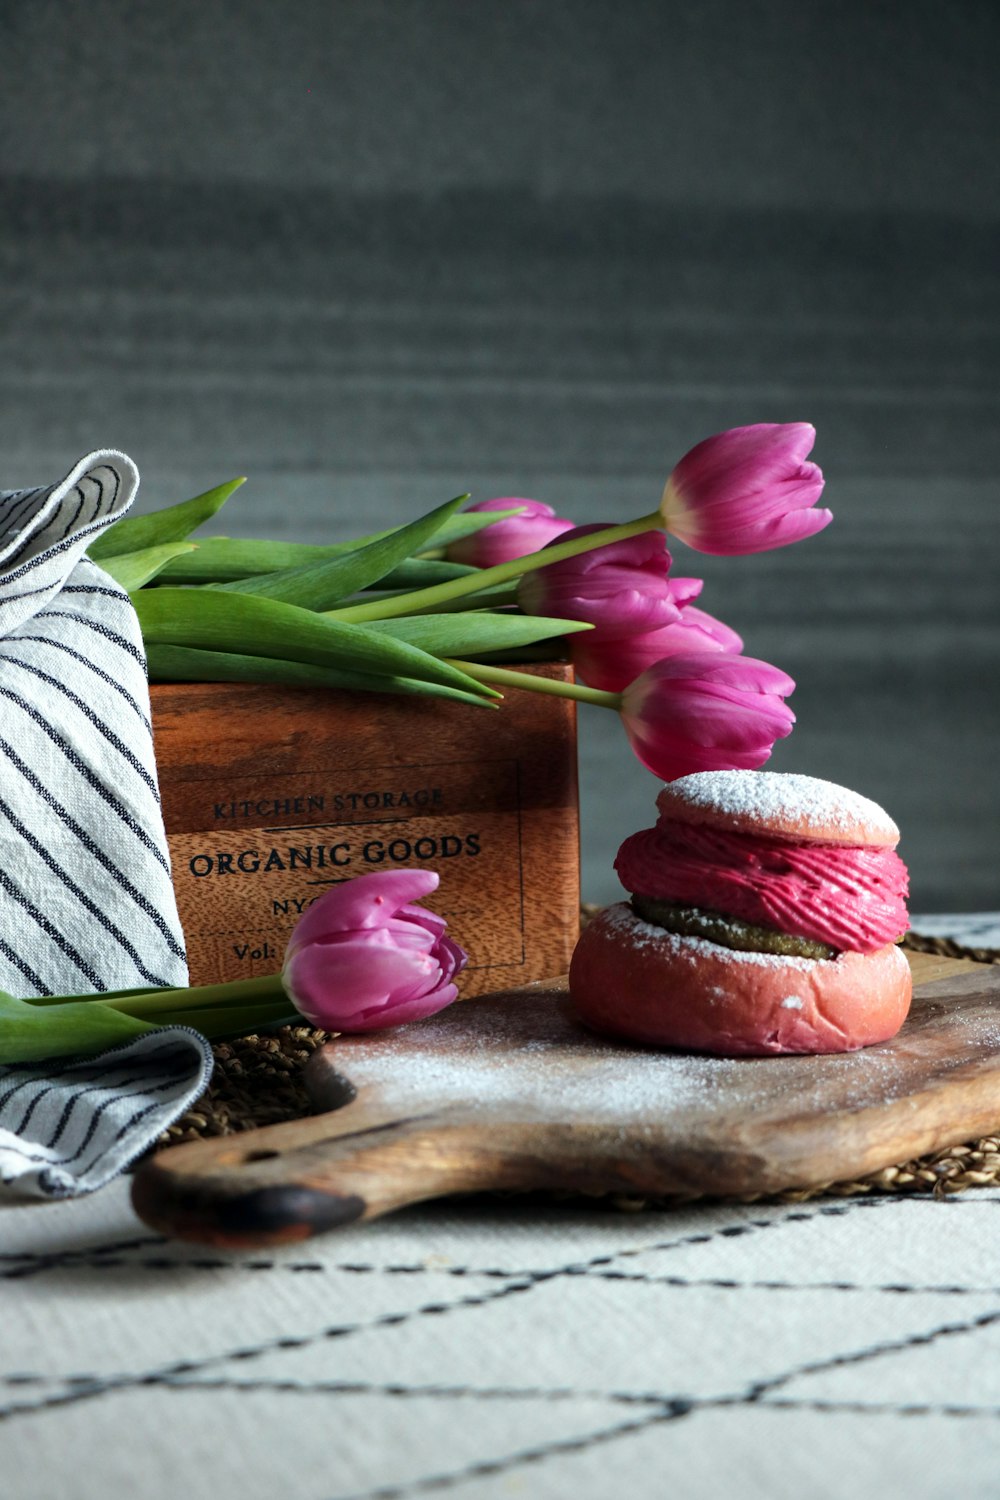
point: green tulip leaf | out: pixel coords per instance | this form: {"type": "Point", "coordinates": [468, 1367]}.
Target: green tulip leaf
{"type": "Point", "coordinates": [320, 585]}
{"type": "Point", "coordinates": [223, 559]}
{"type": "Point", "coordinates": [30, 1033]}
{"type": "Point", "coordinates": [220, 1021]}
{"type": "Point", "coordinates": [189, 664]}
{"type": "Point", "coordinates": [245, 624]}
{"type": "Point", "coordinates": [472, 633]}
{"type": "Point", "coordinates": [226, 559]}
{"type": "Point", "coordinates": [421, 572]}
{"type": "Point", "coordinates": [133, 569]}
{"type": "Point", "coordinates": [173, 523]}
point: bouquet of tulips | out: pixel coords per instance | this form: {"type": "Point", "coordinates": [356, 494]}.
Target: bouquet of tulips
{"type": "Point", "coordinates": [439, 606]}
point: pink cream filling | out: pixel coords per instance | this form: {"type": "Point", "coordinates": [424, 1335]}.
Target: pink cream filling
{"type": "Point", "coordinates": [847, 896]}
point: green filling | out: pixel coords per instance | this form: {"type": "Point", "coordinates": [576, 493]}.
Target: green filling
{"type": "Point", "coordinates": [728, 932]}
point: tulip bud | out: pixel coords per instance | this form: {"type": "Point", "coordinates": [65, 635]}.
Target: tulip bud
{"type": "Point", "coordinates": [746, 490]}
{"type": "Point", "coordinates": [613, 664]}
{"type": "Point", "coordinates": [361, 958]}
{"type": "Point", "coordinates": [620, 589]}
{"type": "Point", "coordinates": [711, 711]}
{"type": "Point", "coordinates": [537, 525]}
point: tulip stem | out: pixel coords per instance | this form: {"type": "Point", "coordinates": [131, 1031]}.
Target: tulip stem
{"type": "Point", "coordinates": [503, 677]}
{"type": "Point", "coordinates": [240, 991]}
{"type": "Point", "coordinates": [495, 598]}
{"type": "Point", "coordinates": [150, 1003]}
{"type": "Point", "coordinates": [483, 578]}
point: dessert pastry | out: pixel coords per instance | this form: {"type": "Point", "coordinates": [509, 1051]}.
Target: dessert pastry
{"type": "Point", "coordinates": [764, 918]}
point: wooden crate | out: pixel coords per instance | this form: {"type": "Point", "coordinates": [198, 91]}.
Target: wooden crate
{"type": "Point", "coordinates": [271, 795]}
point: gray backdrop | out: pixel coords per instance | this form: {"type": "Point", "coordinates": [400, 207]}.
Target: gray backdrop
{"type": "Point", "coordinates": [373, 254]}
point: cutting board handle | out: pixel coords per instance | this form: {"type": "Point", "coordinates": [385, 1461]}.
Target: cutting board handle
{"type": "Point", "coordinates": [285, 1182]}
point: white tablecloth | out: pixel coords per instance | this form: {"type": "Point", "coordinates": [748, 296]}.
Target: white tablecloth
{"type": "Point", "coordinates": [496, 1348]}
{"type": "Point", "coordinates": [489, 1348]}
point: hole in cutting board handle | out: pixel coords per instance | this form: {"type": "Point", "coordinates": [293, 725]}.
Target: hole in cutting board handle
{"type": "Point", "coordinates": [260, 1156]}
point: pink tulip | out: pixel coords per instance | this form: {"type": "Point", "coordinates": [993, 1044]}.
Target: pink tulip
{"type": "Point", "coordinates": [613, 664]}
{"type": "Point", "coordinates": [620, 589]}
{"type": "Point", "coordinates": [711, 711]}
{"type": "Point", "coordinates": [746, 490]}
{"type": "Point", "coordinates": [360, 958]}
{"type": "Point", "coordinates": [515, 537]}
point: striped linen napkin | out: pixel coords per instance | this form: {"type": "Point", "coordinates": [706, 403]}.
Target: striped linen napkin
{"type": "Point", "coordinates": [86, 900]}
{"type": "Point", "coordinates": [69, 1127]}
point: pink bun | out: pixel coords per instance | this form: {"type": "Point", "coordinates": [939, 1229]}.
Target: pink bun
{"type": "Point", "coordinates": [631, 979]}
{"type": "Point", "coordinates": [778, 804]}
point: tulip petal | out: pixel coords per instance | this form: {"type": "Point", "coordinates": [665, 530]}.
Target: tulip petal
{"type": "Point", "coordinates": [420, 917]}
{"type": "Point", "coordinates": [611, 664]}
{"type": "Point", "coordinates": [368, 901]}
{"type": "Point", "coordinates": [683, 590]}
{"type": "Point", "coordinates": [451, 957]}
{"type": "Point", "coordinates": [331, 984]}
{"type": "Point", "coordinates": [709, 628]}
{"type": "Point", "coordinates": [744, 458]}
{"type": "Point", "coordinates": [746, 672]}
{"type": "Point", "coordinates": [782, 531]}
{"type": "Point", "coordinates": [412, 1010]}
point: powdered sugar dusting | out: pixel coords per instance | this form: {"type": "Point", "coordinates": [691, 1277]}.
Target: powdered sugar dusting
{"type": "Point", "coordinates": [776, 798]}
{"type": "Point", "coordinates": [528, 1060]}
{"type": "Point", "coordinates": [524, 1058]}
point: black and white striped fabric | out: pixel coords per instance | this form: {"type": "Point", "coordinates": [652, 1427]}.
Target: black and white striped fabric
{"type": "Point", "coordinates": [86, 900]}
{"type": "Point", "coordinates": [68, 1128]}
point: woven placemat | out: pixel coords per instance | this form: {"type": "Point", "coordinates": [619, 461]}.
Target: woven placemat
{"type": "Point", "coordinates": [258, 1081]}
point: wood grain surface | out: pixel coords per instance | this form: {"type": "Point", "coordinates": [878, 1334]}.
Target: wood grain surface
{"type": "Point", "coordinates": [511, 1093]}
{"type": "Point", "coordinates": [272, 795]}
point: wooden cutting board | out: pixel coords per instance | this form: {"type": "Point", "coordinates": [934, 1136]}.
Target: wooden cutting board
{"type": "Point", "coordinates": [509, 1092]}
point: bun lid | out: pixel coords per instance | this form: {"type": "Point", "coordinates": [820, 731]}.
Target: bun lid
{"type": "Point", "coordinates": [779, 804]}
